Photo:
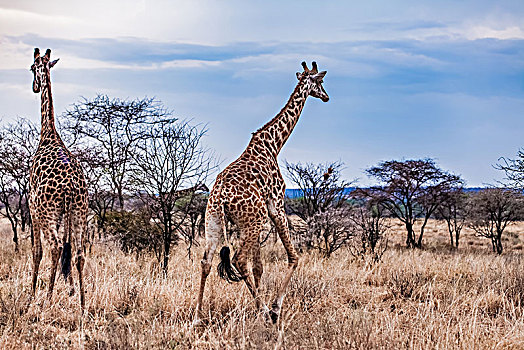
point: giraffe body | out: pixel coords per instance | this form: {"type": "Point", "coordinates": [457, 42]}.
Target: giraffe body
{"type": "Point", "coordinates": [58, 195]}
{"type": "Point", "coordinates": [250, 193]}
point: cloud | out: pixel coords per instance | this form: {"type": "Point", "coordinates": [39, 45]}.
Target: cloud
{"type": "Point", "coordinates": [484, 32]}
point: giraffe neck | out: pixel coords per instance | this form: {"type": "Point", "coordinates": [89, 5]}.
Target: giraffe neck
{"type": "Point", "coordinates": [276, 132]}
{"type": "Point", "coordinates": [48, 130]}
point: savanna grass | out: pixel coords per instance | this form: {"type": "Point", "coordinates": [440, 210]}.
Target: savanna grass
{"type": "Point", "coordinates": [422, 299]}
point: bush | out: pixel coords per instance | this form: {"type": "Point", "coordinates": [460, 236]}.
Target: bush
{"type": "Point", "coordinates": [134, 232]}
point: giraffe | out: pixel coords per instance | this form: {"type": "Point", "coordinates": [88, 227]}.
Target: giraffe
{"type": "Point", "coordinates": [250, 192]}
{"type": "Point", "coordinates": [58, 193]}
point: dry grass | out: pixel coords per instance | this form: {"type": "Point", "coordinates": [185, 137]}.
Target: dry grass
{"type": "Point", "coordinates": [435, 298]}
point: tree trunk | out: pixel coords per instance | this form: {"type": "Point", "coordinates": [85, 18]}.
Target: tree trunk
{"type": "Point", "coordinates": [419, 242]}
{"type": "Point", "coordinates": [167, 246]}
{"type": "Point", "coordinates": [14, 228]}
{"type": "Point", "coordinates": [498, 243]}
{"type": "Point", "coordinates": [410, 241]}
{"type": "Point", "coordinates": [15, 239]}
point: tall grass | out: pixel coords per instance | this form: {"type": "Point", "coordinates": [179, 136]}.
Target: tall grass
{"type": "Point", "coordinates": [434, 298]}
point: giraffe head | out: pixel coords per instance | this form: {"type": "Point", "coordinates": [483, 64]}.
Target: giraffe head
{"type": "Point", "coordinates": [41, 68]}
{"type": "Point", "coordinates": [314, 79]}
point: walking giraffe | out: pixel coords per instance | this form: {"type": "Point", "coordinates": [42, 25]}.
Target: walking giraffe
{"type": "Point", "coordinates": [58, 195]}
{"type": "Point", "coordinates": [249, 192]}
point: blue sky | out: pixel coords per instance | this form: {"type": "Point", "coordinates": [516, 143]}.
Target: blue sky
{"type": "Point", "coordinates": [406, 79]}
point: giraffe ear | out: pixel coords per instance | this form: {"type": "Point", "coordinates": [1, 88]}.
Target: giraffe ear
{"type": "Point", "coordinates": [319, 75]}
{"type": "Point", "coordinates": [299, 75]}
{"type": "Point", "coordinates": [52, 63]}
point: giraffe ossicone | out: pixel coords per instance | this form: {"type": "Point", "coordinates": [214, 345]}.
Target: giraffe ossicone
{"type": "Point", "coordinates": [250, 193]}
{"type": "Point", "coordinates": [58, 193]}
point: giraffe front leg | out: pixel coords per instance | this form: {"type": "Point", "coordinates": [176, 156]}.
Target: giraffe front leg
{"type": "Point", "coordinates": [279, 218]}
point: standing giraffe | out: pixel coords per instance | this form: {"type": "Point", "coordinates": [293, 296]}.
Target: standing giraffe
{"type": "Point", "coordinates": [58, 195]}
{"type": "Point", "coordinates": [249, 192]}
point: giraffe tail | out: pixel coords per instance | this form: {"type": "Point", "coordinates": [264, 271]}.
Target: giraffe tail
{"type": "Point", "coordinates": [65, 260]}
{"type": "Point", "coordinates": [227, 271]}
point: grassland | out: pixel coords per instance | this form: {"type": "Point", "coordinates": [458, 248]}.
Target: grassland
{"type": "Point", "coordinates": [433, 298]}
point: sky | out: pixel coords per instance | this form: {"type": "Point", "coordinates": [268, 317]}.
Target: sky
{"type": "Point", "coordinates": [406, 79]}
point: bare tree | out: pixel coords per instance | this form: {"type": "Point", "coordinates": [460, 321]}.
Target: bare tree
{"type": "Point", "coordinates": [170, 159]}
{"type": "Point", "coordinates": [491, 210]}
{"type": "Point", "coordinates": [101, 197]}
{"type": "Point", "coordinates": [454, 210]}
{"type": "Point", "coordinates": [321, 187]}
{"type": "Point", "coordinates": [322, 205]}
{"type": "Point", "coordinates": [330, 230]}
{"type": "Point", "coordinates": [368, 215]}
{"type": "Point", "coordinates": [115, 126]}
{"type": "Point", "coordinates": [514, 169]}
{"type": "Point", "coordinates": [195, 207]}
{"type": "Point", "coordinates": [412, 189]}
{"type": "Point", "coordinates": [18, 143]}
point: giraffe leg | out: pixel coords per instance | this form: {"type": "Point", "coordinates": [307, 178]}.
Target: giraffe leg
{"type": "Point", "coordinates": [80, 268]}
{"type": "Point", "coordinates": [55, 256]}
{"type": "Point", "coordinates": [278, 215]}
{"type": "Point", "coordinates": [67, 252]}
{"type": "Point", "coordinates": [240, 262]}
{"type": "Point", "coordinates": [71, 285]}
{"type": "Point", "coordinates": [78, 230]}
{"type": "Point", "coordinates": [37, 255]}
{"type": "Point", "coordinates": [214, 227]}
{"type": "Point", "coordinates": [258, 269]}
{"type": "Point", "coordinates": [251, 245]}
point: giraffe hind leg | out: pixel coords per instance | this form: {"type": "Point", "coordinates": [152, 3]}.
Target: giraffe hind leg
{"type": "Point", "coordinates": [55, 255]}
{"type": "Point", "coordinates": [215, 227]}
{"type": "Point", "coordinates": [258, 270]}
{"type": "Point", "coordinates": [78, 237]}
{"type": "Point", "coordinates": [80, 267]}
{"type": "Point", "coordinates": [37, 255]}
{"type": "Point", "coordinates": [251, 245]}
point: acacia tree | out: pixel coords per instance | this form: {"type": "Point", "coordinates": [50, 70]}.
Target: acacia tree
{"type": "Point", "coordinates": [491, 210]}
{"type": "Point", "coordinates": [18, 144]}
{"type": "Point", "coordinates": [171, 158]}
{"type": "Point", "coordinates": [412, 190]}
{"type": "Point", "coordinates": [115, 127]}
